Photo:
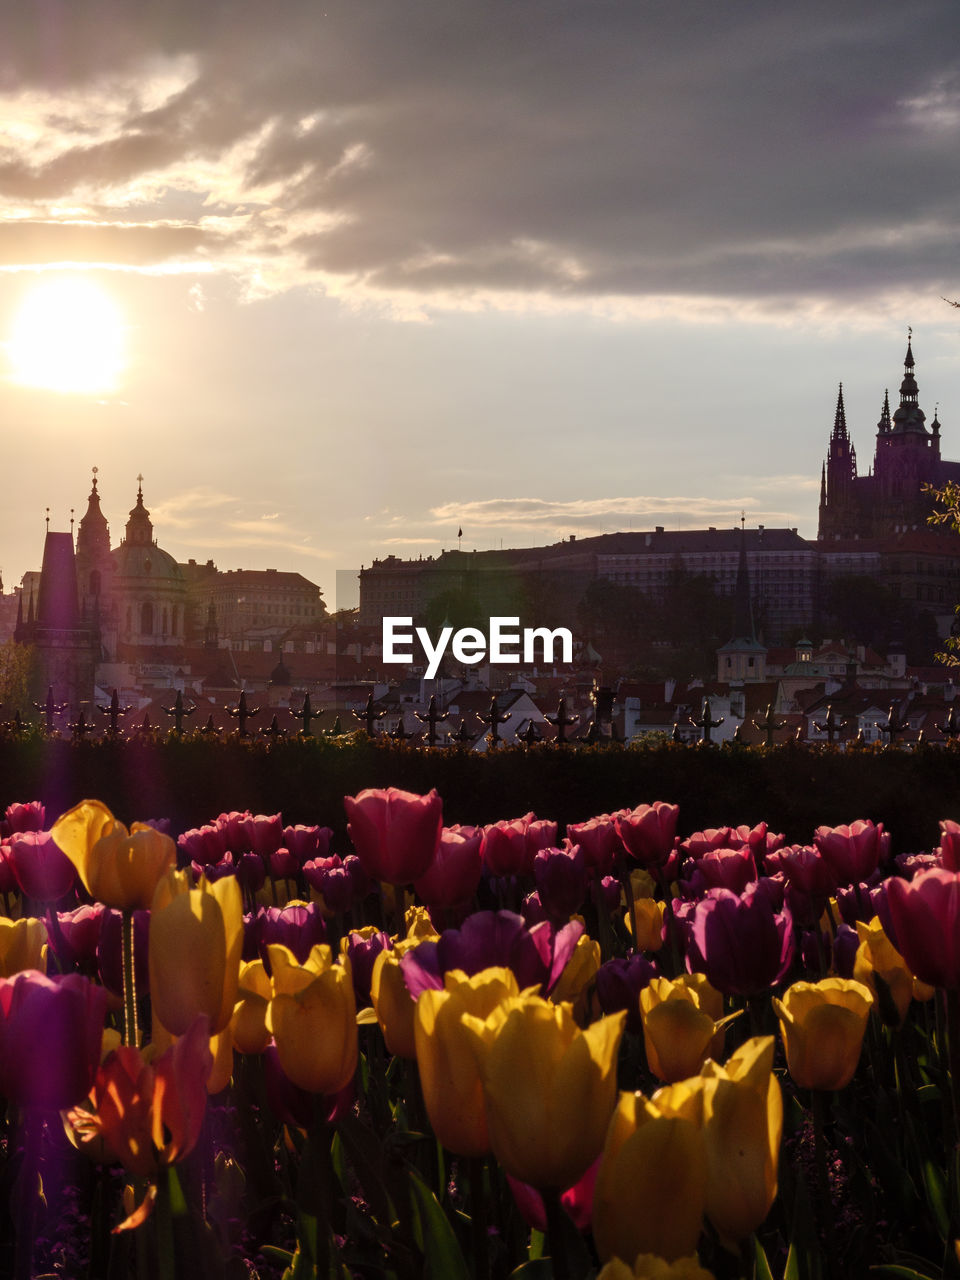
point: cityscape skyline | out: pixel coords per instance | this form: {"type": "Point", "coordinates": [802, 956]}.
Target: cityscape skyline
{"type": "Point", "coordinates": [529, 272]}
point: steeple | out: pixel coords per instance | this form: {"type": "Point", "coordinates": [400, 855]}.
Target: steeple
{"type": "Point", "coordinates": [909, 417]}
{"type": "Point", "coordinates": [840, 419]}
{"type": "Point", "coordinates": [743, 609]}
{"type": "Point", "coordinates": [139, 527]}
{"type": "Point", "coordinates": [93, 534]}
{"type": "Point", "coordinates": [823, 485]}
{"type": "Point", "coordinates": [883, 426]}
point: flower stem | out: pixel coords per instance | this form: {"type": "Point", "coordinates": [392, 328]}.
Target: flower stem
{"type": "Point", "coordinates": [558, 1255]}
{"type": "Point", "coordinates": [131, 1032]}
{"type": "Point", "coordinates": [478, 1219]}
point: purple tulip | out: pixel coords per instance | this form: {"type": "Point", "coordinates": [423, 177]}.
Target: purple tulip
{"type": "Point", "coordinates": [203, 844]}
{"type": "Point", "coordinates": [925, 914]}
{"type": "Point", "coordinates": [599, 840]}
{"type": "Point", "coordinates": [742, 944]}
{"type": "Point", "coordinates": [363, 947]}
{"type": "Point", "coordinates": [561, 877]}
{"type": "Point", "coordinates": [42, 871]}
{"type": "Point", "coordinates": [618, 986]}
{"type": "Point", "coordinates": [298, 926]}
{"type": "Point", "coordinates": [50, 1036]}
{"type": "Point", "coordinates": [75, 935]}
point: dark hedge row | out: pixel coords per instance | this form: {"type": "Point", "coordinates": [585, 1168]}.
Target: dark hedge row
{"type": "Point", "coordinates": [191, 779]}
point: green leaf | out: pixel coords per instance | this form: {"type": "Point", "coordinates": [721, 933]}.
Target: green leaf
{"type": "Point", "coordinates": [535, 1269]}
{"type": "Point", "coordinates": [366, 1155]}
{"type": "Point", "coordinates": [905, 1273]}
{"type": "Point", "coordinates": [762, 1266]}
{"type": "Point", "coordinates": [537, 1245]}
{"type": "Point", "coordinates": [936, 1197]}
{"type": "Point", "coordinates": [443, 1257]}
{"type": "Point", "coordinates": [792, 1269]}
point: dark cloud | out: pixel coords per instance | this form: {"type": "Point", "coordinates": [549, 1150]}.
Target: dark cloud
{"type": "Point", "coordinates": [591, 148]}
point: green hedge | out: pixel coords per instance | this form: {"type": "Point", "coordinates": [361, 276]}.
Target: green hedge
{"type": "Point", "coordinates": [192, 779]}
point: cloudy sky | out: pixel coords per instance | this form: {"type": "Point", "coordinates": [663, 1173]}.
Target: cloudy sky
{"type": "Point", "coordinates": [338, 279]}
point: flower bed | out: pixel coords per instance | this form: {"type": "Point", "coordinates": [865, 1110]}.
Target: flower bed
{"type": "Point", "coordinates": [410, 1048]}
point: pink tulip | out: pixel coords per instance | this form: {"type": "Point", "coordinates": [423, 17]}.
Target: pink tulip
{"type": "Point", "coordinates": [396, 834]}
{"type": "Point", "coordinates": [307, 843]}
{"type": "Point", "coordinates": [25, 817]}
{"type": "Point", "coordinates": [950, 844]}
{"type": "Point", "coordinates": [852, 852]}
{"type": "Point", "coordinates": [648, 832]}
{"type": "Point", "coordinates": [452, 880]}
{"type": "Point", "coordinates": [926, 921]}
{"type": "Point", "coordinates": [504, 848]}
{"type": "Point", "coordinates": [599, 840]}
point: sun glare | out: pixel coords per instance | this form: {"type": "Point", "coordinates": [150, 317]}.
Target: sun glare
{"type": "Point", "coordinates": [68, 336]}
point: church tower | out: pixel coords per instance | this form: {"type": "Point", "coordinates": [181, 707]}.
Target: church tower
{"type": "Point", "coordinates": [96, 570]}
{"type": "Point", "coordinates": [838, 517]}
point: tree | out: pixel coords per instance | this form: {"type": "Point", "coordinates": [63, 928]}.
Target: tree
{"type": "Point", "coordinates": [16, 671]}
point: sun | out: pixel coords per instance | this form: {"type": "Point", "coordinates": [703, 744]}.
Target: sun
{"type": "Point", "coordinates": [69, 336]}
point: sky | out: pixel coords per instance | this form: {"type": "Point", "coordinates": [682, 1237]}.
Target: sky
{"type": "Point", "coordinates": [338, 280]}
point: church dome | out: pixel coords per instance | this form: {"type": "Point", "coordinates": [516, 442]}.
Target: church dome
{"type": "Point", "coordinates": [134, 560]}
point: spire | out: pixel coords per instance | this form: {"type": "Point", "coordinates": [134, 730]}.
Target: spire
{"type": "Point", "coordinates": [883, 426]}
{"type": "Point", "coordinates": [840, 419]}
{"type": "Point", "coordinates": [909, 417]}
{"type": "Point", "coordinates": [93, 533]}
{"type": "Point", "coordinates": [139, 530]}
{"type": "Point", "coordinates": [823, 484]}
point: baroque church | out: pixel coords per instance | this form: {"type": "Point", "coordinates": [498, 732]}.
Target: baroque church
{"type": "Point", "coordinates": [890, 498]}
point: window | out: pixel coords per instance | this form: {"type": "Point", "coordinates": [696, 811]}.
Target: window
{"type": "Point", "coordinates": [146, 619]}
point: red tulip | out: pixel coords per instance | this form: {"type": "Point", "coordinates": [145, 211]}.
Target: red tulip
{"type": "Point", "coordinates": [926, 920]}
{"type": "Point", "coordinates": [396, 834]}
{"type": "Point", "coordinates": [504, 848]}
{"type": "Point", "coordinates": [50, 1035]}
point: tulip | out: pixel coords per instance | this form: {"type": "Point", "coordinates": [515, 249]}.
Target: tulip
{"type": "Point", "coordinates": [249, 1022]}
{"type": "Point", "coordinates": [21, 945]}
{"type": "Point", "coordinates": [452, 880]}
{"type": "Point", "coordinates": [854, 851]}
{"type": "Point", "coordinates": [75, 936]}
{"type": "Point", "coordinates": [805, 867]}
{"type": "Point", "coordinates": [119, 868]}
{"type": "Point", "coordinates": [580, 971]}
{"type": "Point", "coordinates": [648, 832]}
{"type": "Point", "coordinates": [924, 916]}
{"type": "Point", "coordinates": [196, 937]}
{"type": "Point", "coordinates": [647, 1266]}
{"type": "Point", "coordinates": [392, 1002]}
{"type": "Point", "coordinates": [297, 925]}
{"type": "Point", "coordinates": [504, 846]}
{"type": "Point", "coordinates": [203, 844]}
{"type": "Point", "coordinates": [742, 944]}
{"type": "Point", "coordinates": [701, 842]}
{"type": "Point", "coordinates": [41, 870]}
{"type": "Point", "coordinates": [949, 849]}
{"type": "Point", "coordinates": [149, 1114]}
{"type": "Point", "coordinates": [742, 1124]}
{"type": "Point", "coordinates": [313, 1019]}
{"type": "Point", "coordinates": [877, 957]}
{"type": "Point", "coordinates": [362, 947]}
{"type": "Point", "coordinates": [561, 877]}
{"type": "Point", "coordinates": [446, 1058]}
{"type": "Point", "coordinates": [264, 834]}
{"type": "Point", "coordinates": [307, 843]}
{"type": "Point", "coordinates": [822, 1025]}
{"type": "Point", "coordinates": [649, 913]}
{"type": "Point", "coordinates": [396, 834]}
{"type": "Point", "coordinates": [418, 925]}
{"type": "Point", "coordinates": [599, 840]}
{"type": "Point", "coordinates": [50, 1036]}
{"type": "Point", "coordinates": [679, 1025]}
{"type": "Point", "coordinates": [651, 1188]}
{"type": "Point", "coordinates": [25, 817]}
{"type": "Point", "coordinates": [550, 1088]}
{"type": "Point", "coordinates": [618, 985]}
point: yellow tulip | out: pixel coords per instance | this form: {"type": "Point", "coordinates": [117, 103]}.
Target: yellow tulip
{"type": "Point", "coordinates": [446, 1055]}
{"type": "Point", "coordinates": [196, 940]}
{"type": "Point", "coordinates": [254, 993]}
{"type": "Point", "coordinates": [647, 1266]}
{"type": "Point", "coordinates": [649, 913]}
{"type": "Point", "coordinates": [652, 1183]}
{"type": "Point", "coordinates": [392, 1002]}
{"type": "Point", "coordinates": [550, 1087]}
{"type": "Point", "coordinates": [313, 1019]}
{"type": "Point", "coordinates": [418, 924]}
{"type": "Point", "coordinates": [578, 972]}
{"type": "Point", "coordinates": [822, 1024]}
{"type": "Point", "coordinates": [119, 868]}
{"type": "Point", "coordinates": [878, 957]}
{"type": "Point", "coordinates": [22, 944]}
{"type": "Point", "coordinates": [742, 1124]}
{"type": "Point", "coordinates": [678, 1031]}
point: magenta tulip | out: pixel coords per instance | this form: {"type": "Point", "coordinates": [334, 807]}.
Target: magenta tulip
{"type": "Point", "coordinates": [599, 840]}
{"type": "Point", "coordinates": [504, 847]}
{"type": "Point", "coordinates": [396, 834]}
{"type": "Point", "coordinates": [648, 832]}
{"type": "Point", "coordinates": [743, 944]}
{"type": "Point", "coordinates": [853, 852]}
{"type": "Point", "coordinates": [926, 920]}
{"type": "Point", "coordinates": [950, 845]}
{"type": "Point", "coordinates": [452, 880]}
{"type": "Point", "coordinates": [25, 817]}
{"type": "Point", "coordinates": [50, 1036]}
{"type": "Point", "coordinates": [42, 871]}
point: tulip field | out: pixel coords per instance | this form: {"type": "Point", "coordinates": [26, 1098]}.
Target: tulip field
{"type": "Point", "coordinates": [623, 1049]}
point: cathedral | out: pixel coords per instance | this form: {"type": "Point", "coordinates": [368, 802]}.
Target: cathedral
{"type": "Point", "coordinates": [890, 498]}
